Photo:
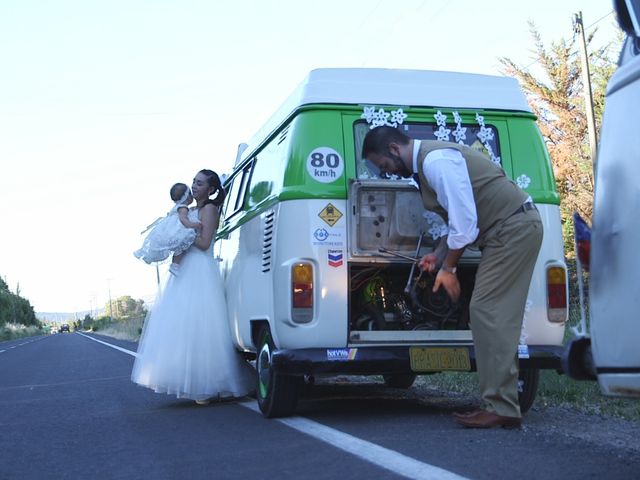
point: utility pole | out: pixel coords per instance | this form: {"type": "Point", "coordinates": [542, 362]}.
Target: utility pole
{"type": "Point", "coordinates": [588, 96]}
{"type": "Point", "coordinates": [110, 304]}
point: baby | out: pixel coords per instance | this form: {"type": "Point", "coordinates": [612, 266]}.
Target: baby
{"type": "Point", "coordinates": [172, 234]}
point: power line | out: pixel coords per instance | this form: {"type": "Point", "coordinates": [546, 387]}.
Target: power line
{"type": "Point", "coordinates": [594, 23]}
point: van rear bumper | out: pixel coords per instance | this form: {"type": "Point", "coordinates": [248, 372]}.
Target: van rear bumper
{"type": "Point", "coordinates": [385, 360]}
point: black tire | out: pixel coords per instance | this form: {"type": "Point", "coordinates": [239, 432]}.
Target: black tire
{"type": "Point", "coordinates": [277, 395]}
{"type": "Point", "coordinates": [401, 380]}
{"type": "Point", "coordinates": [528, 380]}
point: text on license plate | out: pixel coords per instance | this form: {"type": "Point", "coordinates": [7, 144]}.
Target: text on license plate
{"type": "Point", "coordinates": [430, 359]}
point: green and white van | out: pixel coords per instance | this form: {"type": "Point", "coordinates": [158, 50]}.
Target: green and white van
{"type": "Point", "coordinates": [317, 251]}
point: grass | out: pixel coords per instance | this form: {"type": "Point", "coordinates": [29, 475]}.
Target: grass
{"type": "Point", "coordinates": [554, 390]}
{"type": "Point", "coordinates": [124, 329]}
{"type": "Point", "coordinates": [11, 331]}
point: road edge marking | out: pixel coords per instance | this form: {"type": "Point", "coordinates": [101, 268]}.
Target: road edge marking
{"type": "Point", "coordinates": [385, 458]}
{"type": "Point", "coordinates": [124, 350]}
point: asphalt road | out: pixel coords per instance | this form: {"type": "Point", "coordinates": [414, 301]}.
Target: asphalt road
{"type": "Point", "coordinates": [69, 410]}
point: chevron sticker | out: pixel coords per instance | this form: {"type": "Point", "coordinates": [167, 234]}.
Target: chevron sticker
{"type": "Point", "coordinates": [334, 258]}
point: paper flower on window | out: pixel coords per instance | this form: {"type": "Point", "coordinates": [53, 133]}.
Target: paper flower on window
{"type": "Point", "coordinates": [442, 134]}
{"type": "Point", "coordinates": [523, 181]}
{"type": "Point", "coordinates": [460, 134]}
{"type": "Point", "coordinates": [523, 335]}
{"type": "Point", "coordinates": [485, 134]}
{"type": "Point", "coordinates": [380, 117]}
{"type": "Point", "coordinates": [480, 119]}
{"type": "Point", "coordinates": [368, 114]}
{"type": "Point", "coordinates": [397, 117]}
{"type": "Point", "coordinates": [441, 119]}
{"type": "Point", "coordinates": [437, 227]}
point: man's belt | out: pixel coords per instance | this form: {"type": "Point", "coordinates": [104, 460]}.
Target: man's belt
{"type": "Point", "coordinates": [525, 207]}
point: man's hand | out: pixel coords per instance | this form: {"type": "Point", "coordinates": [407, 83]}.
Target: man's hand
{"type": "Point", "coordinates": [428, 263]}
{"type": "Point", "coordinates": [450, 283]}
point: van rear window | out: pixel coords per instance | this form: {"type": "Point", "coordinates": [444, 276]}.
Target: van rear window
{"type": "Point", "coordinates": [425, 131]}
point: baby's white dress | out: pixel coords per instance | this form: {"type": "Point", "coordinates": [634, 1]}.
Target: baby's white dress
{"type": "Point", "coordinates": [186, 348]}
{"type": "Point", "coordinates": [167, 237]}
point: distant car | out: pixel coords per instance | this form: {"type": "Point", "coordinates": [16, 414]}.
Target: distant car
{"type": "Point", "coordinates": [64, 327]}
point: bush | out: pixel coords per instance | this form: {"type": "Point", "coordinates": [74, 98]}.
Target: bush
{"type": "Point", "coordinates": [11, 331]}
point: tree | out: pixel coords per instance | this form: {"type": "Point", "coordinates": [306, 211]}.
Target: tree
{"type": "Point", "coordinates": [126, 307]}
{"type": "Point", "coordinates": [14, 308]}
{"type": "Point", "coordinates": [557, 99]}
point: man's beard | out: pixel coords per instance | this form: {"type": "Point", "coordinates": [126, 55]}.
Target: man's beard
{"type": "Point", "coordinates": [403, 171]}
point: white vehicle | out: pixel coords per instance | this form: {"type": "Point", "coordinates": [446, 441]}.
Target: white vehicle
{"type": "Point", "coordinates": [610, 352]}
{"type": "Point", "coordinates": [317, 251]}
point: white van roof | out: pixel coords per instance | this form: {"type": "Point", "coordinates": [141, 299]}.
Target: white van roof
{"type": "Point", "coordinates": [400, 88]}
{"type": "Point", "coordinates": [417, 88]}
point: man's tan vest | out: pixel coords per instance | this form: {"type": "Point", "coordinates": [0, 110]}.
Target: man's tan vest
{"type": "Point", "coordinates": [496, 196]}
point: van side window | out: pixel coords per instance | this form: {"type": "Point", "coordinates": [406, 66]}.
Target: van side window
{"type": "Point", "coordinates": [423, 131]}
{"type": "Point", "coordinates": [235, 197]}
{"type": "Point", "coordinates": [268, 172]}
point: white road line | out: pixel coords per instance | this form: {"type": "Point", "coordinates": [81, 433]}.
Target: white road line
{"type": "Point", "coordinates": [124, 350]}
{"type": "Point", "coordinates": [2, 351]}
{"type": "Point", "coordinates": [383, 457]}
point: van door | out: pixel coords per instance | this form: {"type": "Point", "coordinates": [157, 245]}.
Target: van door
{"type": "Point", "coordinates": [615, 259]}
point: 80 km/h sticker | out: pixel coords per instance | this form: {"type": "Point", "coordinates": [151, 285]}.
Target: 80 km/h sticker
{"type": "Point", "coordinates": [325, 165]}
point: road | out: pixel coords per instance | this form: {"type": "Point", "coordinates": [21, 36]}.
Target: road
{"type": "Point", "coordinates": [69, 410]}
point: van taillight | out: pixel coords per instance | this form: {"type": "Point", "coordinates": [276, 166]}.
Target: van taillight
{"type": "Point", "coordinates": [556, 294]}
{"type": "Point", "coordinates": [302, 292]}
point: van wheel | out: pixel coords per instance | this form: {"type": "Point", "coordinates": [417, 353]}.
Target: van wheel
{"type": "Point", "coordinates": [403, 380]}
{"type": "Point", "coordinates": [528, 380]}
{"type": "Point", "coordinates": [277, 394]}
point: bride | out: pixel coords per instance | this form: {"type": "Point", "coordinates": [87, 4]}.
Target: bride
{"type": "Point", "coordinates": [185, 348]}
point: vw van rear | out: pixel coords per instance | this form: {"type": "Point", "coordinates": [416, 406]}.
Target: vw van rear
{"type": "Point", "coordinates": [318, 251]}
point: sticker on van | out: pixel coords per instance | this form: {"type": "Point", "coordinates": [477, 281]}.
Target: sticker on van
{"type": "Point", "coordinates": [334, 258]}
{"type": "Point", "coordinates": [341, 354]}
{"type": "Point", "coordinates": [325, 165]}
{"type": "Point", "coordinates": [332, 237]}
{"type": "Point", "coordinates": [330, 214]}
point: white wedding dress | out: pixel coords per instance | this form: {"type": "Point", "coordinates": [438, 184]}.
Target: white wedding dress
{"type": "Point", "coordinates": [185, 348]}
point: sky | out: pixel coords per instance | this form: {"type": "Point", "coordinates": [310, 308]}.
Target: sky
{"type": "Point", "coordinates": [105, 104]}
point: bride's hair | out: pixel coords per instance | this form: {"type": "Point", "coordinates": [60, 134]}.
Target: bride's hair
{"type": "Point", "coordinates": [214, 181]}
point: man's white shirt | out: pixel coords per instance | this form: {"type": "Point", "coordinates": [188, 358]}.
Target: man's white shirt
{"type": "Point", "coordinates": [446, 171]}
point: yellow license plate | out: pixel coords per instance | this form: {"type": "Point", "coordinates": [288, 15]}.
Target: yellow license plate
{"type": "Point", "coordinates": [431, 359]}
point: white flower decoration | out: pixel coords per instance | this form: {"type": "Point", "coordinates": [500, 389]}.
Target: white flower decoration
{"type": "Point", "coordinates": [523, 335]}
{"type": "Point", "coordinates": [485, 134]}
{"type": "Point", "coordinates": [368, 114]}
{"type": "Point", "coordinates": [523, 181]}
{"type": "Point", "coordinates": [460, 134]}
{"type": "Point", "coordinates": [441, 118]}
{"type": "Point", "coordinates": [438, 228]}
{"type": "Point", "coordinates": [379, 118]}
{"type": "Point", "coordinates": [457, 118]}
{"type": "Point", "coordinates": [496, 160]}
{"type": "Point", "coordinates": [397, 117]}
{"type": "Point", "coordinates": [442, 134]}
{"type": "Point", "coordinates": [480, 119]}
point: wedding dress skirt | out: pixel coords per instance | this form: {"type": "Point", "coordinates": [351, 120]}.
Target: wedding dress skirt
{"type": "Point", "coordinates": [185, 348]}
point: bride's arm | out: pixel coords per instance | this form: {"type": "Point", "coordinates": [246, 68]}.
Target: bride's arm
{"type": "Point", "coordinates": [209, 217]}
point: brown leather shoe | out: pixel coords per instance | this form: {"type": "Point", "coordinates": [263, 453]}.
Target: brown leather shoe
{"type": "Point", "coordinates": [484, 419]}
{"type": "Point", "coordinates": [466, 414]}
